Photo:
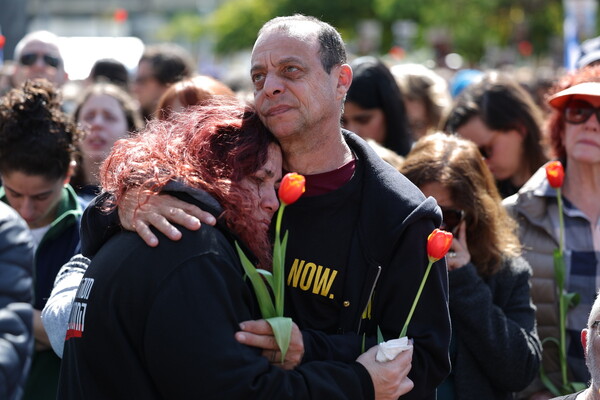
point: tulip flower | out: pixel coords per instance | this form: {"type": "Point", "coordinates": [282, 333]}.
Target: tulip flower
{"type": "Point", "coordinates": [290, 190]}
{"type": "Point", "coordinates": [555, 174]}
{"type": "Point", "coordinates": [438, 244]}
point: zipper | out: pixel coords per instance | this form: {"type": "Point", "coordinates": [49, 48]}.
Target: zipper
{"type": "Point", "coordinates": [369, 298]}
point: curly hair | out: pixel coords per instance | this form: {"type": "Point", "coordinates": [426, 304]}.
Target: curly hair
{"type": "Point", "coordinates": [212, 147]}
{"type": "Point", "coordinates": [555, 127]}
{"type": "Point", "coordinates": [457, 165]}
{"type": "Point", "coordinates": [36, 136]}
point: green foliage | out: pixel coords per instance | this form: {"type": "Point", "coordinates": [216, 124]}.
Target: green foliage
{"type": "Point", "coordinates": [469, 25]}
{"type": "Point", "coordinates": [236, 23]}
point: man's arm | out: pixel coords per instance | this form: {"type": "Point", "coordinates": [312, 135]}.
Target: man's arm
{"type": "Point", "coordinates": [246, 374]}
{"type": "Point", "coordinates": [16, 297]}
{"type": "Point", "coordinates": [162, 212]}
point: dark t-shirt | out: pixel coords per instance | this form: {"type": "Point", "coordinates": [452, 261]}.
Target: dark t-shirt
{"type": "Point", "coordinates": [315, 267]}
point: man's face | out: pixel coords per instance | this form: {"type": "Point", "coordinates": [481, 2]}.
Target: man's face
{"type": "Point", "coordinates": [40, 60]}
{"type": "Point", "coordinates": [293, 93]}
{"type": "Point", "coordinates": [592, 354]}
{"type": "Point", "coordinates": [146, 88]}
{"type": "Point", "coordinates": [35, 197]}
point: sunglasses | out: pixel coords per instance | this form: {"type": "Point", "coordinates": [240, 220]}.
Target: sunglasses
{"type": "Point", "coordinates": [579, 111]}
{"type": "Point", "coordinates": [451, 219]}
{"type": "Point", "coordinates": [30, 59]}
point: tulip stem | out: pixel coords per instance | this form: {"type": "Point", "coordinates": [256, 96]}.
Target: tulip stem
{"type": "Point", "coordinates": [414, 305]}
{"type": "Point", "coordinates": [278, 223]}
{"type": "Point", "coordinates": [561, 222]}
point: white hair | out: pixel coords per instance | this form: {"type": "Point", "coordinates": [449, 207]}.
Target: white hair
{"type": "Point", "coordinates": [40, 36]}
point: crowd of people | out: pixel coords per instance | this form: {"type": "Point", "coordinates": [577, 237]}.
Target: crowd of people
{"type": "Point", "coordinates": [126, 201]}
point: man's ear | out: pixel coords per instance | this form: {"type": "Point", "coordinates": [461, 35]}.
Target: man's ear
{"type": "Point", "coordinates": [584, 333]}
{"type": "Point", "coordinates": [344, 79]}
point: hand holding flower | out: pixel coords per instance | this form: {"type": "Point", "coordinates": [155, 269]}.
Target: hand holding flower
{"type": "Point", "coordinates": [291, 188]}
{"type": "Point", "coordinates": [438, 244]}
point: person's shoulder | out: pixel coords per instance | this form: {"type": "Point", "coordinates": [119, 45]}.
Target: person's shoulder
{"type": "Point", "coordinates": [7, 213]}
{"type": "Point", "coordinates": [517, 265]}
{"type": "Point", "coordinates": [12, 227]}
{"type": "Point", "coordinates": [379, 175]}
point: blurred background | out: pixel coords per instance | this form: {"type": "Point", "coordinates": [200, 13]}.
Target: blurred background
{"type": "Point", "coordinates": [532, 35]}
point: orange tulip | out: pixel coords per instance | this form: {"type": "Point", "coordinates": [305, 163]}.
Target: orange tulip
{"type": "Point", "coordinates": [555, 173]}
{"type": "Point", "coordinates": [291, 188]}
{"type": "Point", "coordinates": [438, 244]}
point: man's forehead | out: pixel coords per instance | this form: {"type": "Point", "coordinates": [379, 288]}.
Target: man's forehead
{"type": "Point", "coordinates": [42, 47]}
{"type": "Point", "coordinates": [274, 39]}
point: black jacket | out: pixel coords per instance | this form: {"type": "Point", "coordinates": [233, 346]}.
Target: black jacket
{"type": "Point", "coordinates": [154, 323]}
{"type": "Point", "coordinates": [387, 261]}
{"type": "Point", "coordinates": [494, 330]}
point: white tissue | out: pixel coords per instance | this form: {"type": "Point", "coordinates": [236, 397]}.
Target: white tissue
{"type": "Point", "coordinates": [387, 351]}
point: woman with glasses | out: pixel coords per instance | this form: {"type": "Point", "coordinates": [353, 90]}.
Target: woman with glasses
{"type": "Point", "coordinates": [492, 316]}
{"type": "Point", "coordinates": [574, 135]}
{"type": "Point", "coordinates": [501, 117]}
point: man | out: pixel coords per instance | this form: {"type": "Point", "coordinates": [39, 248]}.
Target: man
{"type": "Point", "coordinates": [37, 55]}
{"type": "Point", "coordinates": [357, 245]}
{"type": "Point", "coordinates": [589, 53]}
{"type": "Point", "coordinates": [16, 296]}
{"type": "Point", "coordinates": [590, 340]}
{"type": "Point", "coordinates": [159, 67]}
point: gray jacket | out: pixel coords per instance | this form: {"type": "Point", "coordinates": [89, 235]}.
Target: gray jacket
{"type": "Point", "coordinates": [539, 240]}
{"type": "Point", "coordinates": [16, 297]}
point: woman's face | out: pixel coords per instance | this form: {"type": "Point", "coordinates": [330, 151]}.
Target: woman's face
{"type": "Point", "coordinates": [582, 141]}
{"type": "Point", "coordinates": [104, 122]}
{"type": "Point", "coordinates": [35, 197]}
{"type": "Point", "coordinates": [262, 186]}
{"type": "Point", "coordinates": [416, 112]}
{"type": "Point", "coordinates": [502, 151]}
{"type": "Point", "coordinates": [452, 215]}
{"type": "Point", "coordinates": [368, 123]}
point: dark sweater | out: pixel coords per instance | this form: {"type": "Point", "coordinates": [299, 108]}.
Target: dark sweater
{"type": "Point", "coordinates": [154, 323]}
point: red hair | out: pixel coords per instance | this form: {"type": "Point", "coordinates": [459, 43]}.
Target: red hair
{"type": "Point", "coordinates": [556, 120]}
{"type": "Point", "coordinates": [213, 148]}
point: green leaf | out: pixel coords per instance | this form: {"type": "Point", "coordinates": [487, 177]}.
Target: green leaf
{"type": "Point", "coordinates": [577, 386]}
{"type": "Point", "coordinates": [282, 329]}
{"type": "Point", "coordinates": [380, 338]}
{"type": "Point", "coordinates": [548, 383]}
{"type": "Point", "coordinates": [572, 299]}
{"type": "Point", "coordinates": [362, 345]}
{"type": "Point", "coordinates": [260, 288]}
{"type": "Point", "coordinates": [559, 269]}
{"type": "Point", "coordinates": [267, 275]}
{"type": "Point", "coordinates": [551, 339]}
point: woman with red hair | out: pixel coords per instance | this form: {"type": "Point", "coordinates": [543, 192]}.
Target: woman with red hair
{"type": "Point", "coordinates": [159, 322]}
{"type": "Point", "coordinates": [574, 136]}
